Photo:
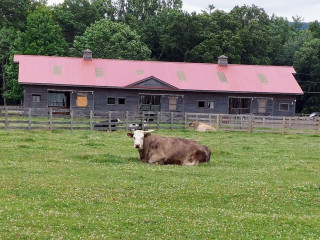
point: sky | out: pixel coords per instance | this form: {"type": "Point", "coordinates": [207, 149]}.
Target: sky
{"type": "Point", "coordinates": [308, 10]}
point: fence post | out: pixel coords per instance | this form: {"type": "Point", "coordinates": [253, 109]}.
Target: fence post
{"type": "Point", "coordinates": [29, 119]}
{"type": "Point", "coordinates": [218, 121]}
{"type": "Point", "coordinates": [71, 122]}
{"type": "Point", "coordinates": [6, 117]}
{"type": "Point", "coordinates": [50, 119]}
{"type": "Point", "coordinates": [91, 120]}
{"type": "Point", "coordinates": [283, 125]}
{"type": "Point", "coordinates": [109, 121]}
{"type": "Point", "coordinates": [158, 120]}
{"type": "Point", "coordinates": [185, 120]}
{"type": "Point", "coordinates": [290, 122]}
{"type": "Point", "coordinates": [319, 126]}
{"type": "Point", "coordinates": [127, 121]}
{"type": "Point", "coordinates": [142, 121]}
{"type": "Point", "coordinates": [250, 124]}
{"type": "Point", "coordinates": [171, 124]}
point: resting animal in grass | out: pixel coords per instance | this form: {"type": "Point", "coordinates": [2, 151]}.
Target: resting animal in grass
{"type": "Point", "coordinates": [157, 149]}
{"type": "Point", "coordinates": [202, 127]}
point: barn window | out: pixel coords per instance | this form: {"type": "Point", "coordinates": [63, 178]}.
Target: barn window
{"type": "Point", "coordinates": [173, 103]}
{"type": "Point", "coordinates": [122, 101]}
{"type": "Point", "coordinates": [239, 105]}
{"type": "Point", "coordinates": [82, 100]}
{"type": "Point", "coordinates": [36, 98]}
{"type": "Point", "coordinates": [262, 106]}
{"type": "Point", "coordinates": [59, 99]}
{"type": "Point", "coordinates": [201, 104]}
{"type": "Point", "coordinates": [150, 102]}
{"type": "Point", "coordinates": [210, 104]}
{"type": "Point", "coordinates": [284, 107]}
{"type": "Point", "coordinates": [111, 100]}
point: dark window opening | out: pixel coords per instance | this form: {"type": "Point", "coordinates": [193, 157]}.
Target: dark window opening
{"type": "Point", "coordinates": [239, 105]}
{"type": "Point", "coordinates": [150, 102]}
{"type": "Point", "coordinates": [111, 101]}
{"type": "Point", "coordinates": [36, 98]}
{"type": "Point", "coordinates": [122, 101]}
{"type": "Point", "coordinates": [201, 104]}
{"type": "Point", "coordinates": [284, 107]}
{"type": "Point", "coordinates": [59, 99]}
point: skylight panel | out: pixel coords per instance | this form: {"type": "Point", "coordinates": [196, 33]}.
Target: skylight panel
{"type": "Point", "coordinates": [99, 72]}
{"type": "Point", "coordinates": [181, 76]}
{"type": "Point", "coordinates": [262, 78]}
{"type": "Point", "coordinates": [140, 72]}
{"type": "Point", "coordinates": [57, 70]}
{"type": "Point", "coordinates": [222, 77]}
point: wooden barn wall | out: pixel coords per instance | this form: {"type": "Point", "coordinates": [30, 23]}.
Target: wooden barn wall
{"type": "Point", "coordinates": [187, 101]}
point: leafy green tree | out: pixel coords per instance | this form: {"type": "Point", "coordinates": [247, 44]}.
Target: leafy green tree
{"type": "Point", "coordinates": [74, 16]}
{"type": "Point", "coordinates": [7, 37]}
{"type": "Point", "coordinates": [253, 24]}
{"type": "Point", "coordinates": [107, 39]}
{"type": "Point", "coordinates": [314, 27]}
{"type": "Point", "coordinates": [280, 32]}
{"type": "Point", "coordinates": [293, 44]}
{"type": "Point", "coordinates": [43, 36]}
{"type": "Point", "coordinates": [218, 36]}
{"type": "Point", "coordinates": [307, 64]}
{"type": "Point", "coordinates": [14, 13]}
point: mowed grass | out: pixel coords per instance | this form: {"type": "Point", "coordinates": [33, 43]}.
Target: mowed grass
{"type": "Point", "coordinates": [91, 185]}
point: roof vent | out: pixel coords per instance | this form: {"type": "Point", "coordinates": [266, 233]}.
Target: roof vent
{"type": "Point", "coordinates": [87, 54]}
{"type": "Point", "coordinates": [223, 60]}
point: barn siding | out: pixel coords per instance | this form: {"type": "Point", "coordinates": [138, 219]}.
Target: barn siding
{"type": "Point", "coordinates": [187, 101]}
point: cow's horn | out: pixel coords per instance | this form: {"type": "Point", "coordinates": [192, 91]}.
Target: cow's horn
{"type": "Point", "coordinates": [149, 131]}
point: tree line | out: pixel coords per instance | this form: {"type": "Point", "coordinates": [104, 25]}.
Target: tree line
{"type": "Point", "coordinates": [157, 30]}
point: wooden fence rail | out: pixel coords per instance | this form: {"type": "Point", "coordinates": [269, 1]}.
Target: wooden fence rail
{"type": "Point", "coordinates": [29, 119]}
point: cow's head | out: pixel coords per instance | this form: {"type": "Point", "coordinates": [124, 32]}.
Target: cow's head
{"type": "Point", "coordinates": [139, 136]}
{"type": "Point", "coordinates": [193, 123]}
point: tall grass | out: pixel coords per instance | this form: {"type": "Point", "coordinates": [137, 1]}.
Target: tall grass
{"type": "Point", "coordinates": [91, 185]}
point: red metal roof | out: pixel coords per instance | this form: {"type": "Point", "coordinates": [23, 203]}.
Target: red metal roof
{"type": "Point", "coordinates": [180, 76]}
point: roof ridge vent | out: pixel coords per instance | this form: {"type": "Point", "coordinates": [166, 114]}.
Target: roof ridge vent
{"type": "Point", "coordinates": [223, 60]}
{"type": "Point", "coordinates": [87, 54]}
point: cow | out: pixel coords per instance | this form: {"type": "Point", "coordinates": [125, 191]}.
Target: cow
{"type": "Point", "coordinates": [202, 127]}
{"type": "Point", "coordinates": [104, 125]}
{"type": "Point", "coordinates": [155, 149]}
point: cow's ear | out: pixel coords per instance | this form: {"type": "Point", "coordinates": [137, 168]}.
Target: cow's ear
{"type": "Point", "coordinates": [147, 135]}
{"type": "Point", "coordinates": [130, 135]}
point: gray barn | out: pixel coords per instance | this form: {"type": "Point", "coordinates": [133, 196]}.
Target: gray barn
{"type": "Point", "coordinates": [86, 84]}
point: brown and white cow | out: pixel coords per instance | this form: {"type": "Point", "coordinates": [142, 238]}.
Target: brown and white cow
{"type": "Point", "coordinates": [202, 127]}
{"type": "Point", "coordinates": [157, 149]}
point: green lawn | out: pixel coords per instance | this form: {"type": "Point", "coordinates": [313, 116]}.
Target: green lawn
{"type": "Point", "coordinates": [91, 185]}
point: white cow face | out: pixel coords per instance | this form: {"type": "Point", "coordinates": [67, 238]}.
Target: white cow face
{"type": "Point", "coordinates": [138, 137]}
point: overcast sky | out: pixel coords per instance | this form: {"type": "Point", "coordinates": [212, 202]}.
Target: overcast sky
{"type": "Point", "coordinates": [309, 10]}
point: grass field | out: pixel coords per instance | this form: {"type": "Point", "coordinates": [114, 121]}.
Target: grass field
{"type": "Point", "coordinates": [91, 185]}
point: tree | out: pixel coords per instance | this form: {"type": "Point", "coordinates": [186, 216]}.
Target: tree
{"type": "Point", "coordinates": [14, 13]}
{"type": "Point", "coordinates": [7, 37]}
{"type": "Point", "coordinates": [43, 36]}
{"type": "Point", "coordinates": [107, 39]}
{"type": "Point", "coordinates": [314, 27]}
{"type": "Point", "coordinates": [279, 32]}
{"type": "Point", "coordinates": [307, 64]}
{"type": "Point", "coordinates": [253, 24]}
{"type": "Point", "coordinates": [218, 36]}
{"type": "Point", "coordinates": [74, 16]}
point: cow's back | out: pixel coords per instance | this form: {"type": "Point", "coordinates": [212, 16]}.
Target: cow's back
{"type": "Point", "coordinates": [174, 150]}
